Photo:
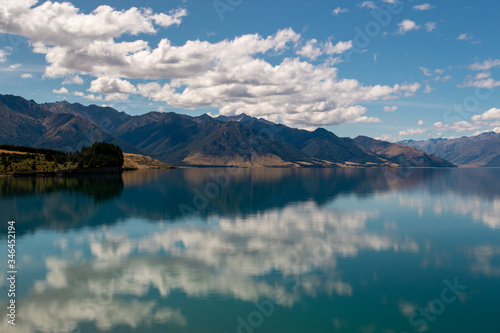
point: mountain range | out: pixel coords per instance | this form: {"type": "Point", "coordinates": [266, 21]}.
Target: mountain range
{"type": "Point", "coordinates": [197, 141]}
{"type": "Point", "coordinates": [482, 150]}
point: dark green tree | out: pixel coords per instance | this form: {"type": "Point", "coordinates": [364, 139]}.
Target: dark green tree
{"type": "Point", "coordinates": [99, 155]}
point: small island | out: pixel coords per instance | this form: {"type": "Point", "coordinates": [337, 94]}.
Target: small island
{"type": "Point", "coordinates": [100, 158]}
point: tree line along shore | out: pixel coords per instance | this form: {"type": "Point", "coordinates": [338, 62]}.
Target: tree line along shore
{"type": "Point", "coordinates": [101, 157]}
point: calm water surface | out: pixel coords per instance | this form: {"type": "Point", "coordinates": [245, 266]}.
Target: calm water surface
{"type": "Point", "coordinates": [263, 250]}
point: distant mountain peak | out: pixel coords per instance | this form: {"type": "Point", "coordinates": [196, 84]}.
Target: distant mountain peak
{"type": "Point", "coordinates": [472, 151]}
{"type": "Point", "coordinates": [488, 134]}
{"type": "Point", "coordinates": [401, 154]}
{"type": "Point", "coordinates": [241, 118]}
{"type": "Point", "coordinates": [237, 118]}
{"type": "Point", "coordinates": [203, 117]}
{"type": "Point", "coordinates": [321, 130]}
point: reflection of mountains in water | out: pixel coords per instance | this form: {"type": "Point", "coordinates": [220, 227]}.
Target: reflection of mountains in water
{"type": "Point", "coordinates": [169, 195]}
{"type": "Point", "coordinates": [99, 187]}
{"type": "Point", "coordinates": [63, 203]}
{"type": "Point", "coordinates": [55, 202]}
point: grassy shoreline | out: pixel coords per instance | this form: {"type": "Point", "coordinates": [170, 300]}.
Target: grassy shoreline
{"type": "Point", "coordinates": [31, 164]}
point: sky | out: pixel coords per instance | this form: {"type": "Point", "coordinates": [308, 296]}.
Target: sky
{"type": "Point", "coordinates": [389, 69]}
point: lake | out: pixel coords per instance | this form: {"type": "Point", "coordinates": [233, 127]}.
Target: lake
{"type": "Point", "coordinates": [255, 250]}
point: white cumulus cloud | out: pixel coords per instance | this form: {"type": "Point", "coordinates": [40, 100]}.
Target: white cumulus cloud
{"type": "Point", "coordinates": [11, 68]}
{"type": "Point", "coordinates": [105, 85]}
{"type": "Point", "coordinates": [92, 97]}
{"type": "Point", "coordinates": [407, 25]}
{"type": "Point", "coordinates": [411, 132]}
{"type": "Point", "coordinates": [6, 51]}
{"type": "Point", "coordinates": [387, 137]}
{"type": "Point", "coordinates": [390, 108]}
{"type": "Point", "coordinates": [491, 114]}
{"type": "Point", "coordinates": [73, 80]}
{"type": "Point", "coordinates": [368, 4]}
{"type": "Point", "coordinates": [481, 80]}
{"type": "Point", "coordinates": [485, 65]}
{"type": "Point", "coordinates": [483, 75]}
{"type": "Point", "coordinates": [312, 49]}
{"type": "Point", "coordinates": [63, 24]}
{"type": "Point", "coordinates": [465, 36]}
{"type": "Point", "coordinates": [340, 10]}
{"type": "Point", "coordinates": [233, 75]}
{"type": "Point", "coordinates": [424, 6]}
{"type": "Point", "coordinates": [430, 26]}
{"type": "Point", "coordinates": [428, 89]}
{"type": "Point", "coordinates": [457, 126]}
{"type": "Point", "coordinates": [63, 90]}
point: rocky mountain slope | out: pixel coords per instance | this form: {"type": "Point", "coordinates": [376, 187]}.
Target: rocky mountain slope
{"type": "Point", "coordinates": [183, 140]}
{"type": "Point", "coordinates": [401, 154]}
{"type": "Point", "coordinates": [474, 151]}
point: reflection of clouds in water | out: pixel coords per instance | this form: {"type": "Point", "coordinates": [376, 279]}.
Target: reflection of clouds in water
{"type": "Point", "coordinates": [406, 308]}
{"type": "Point", "coordinates": [61, 313]}
{"type": "Point", "coordinates": [483, 256]}
{"type": "Point", "coordinates": [280, 239]}
{"type": "Point", "coordinates": [56, 275]}
{"type": "Point", "coordinates": [71, 295]}
{"type": "Point", "coordinates": [114, 247]}
{"type": "Point", "coordinates": [236, 258]}
{"type": "Point", "coordinates": [227, 258]}
{"type": "Point", "coordinates": [61, 242]}
{"type": "Point", "coordinates": [415, 203]}
{"type": "Point", "coordinates": [479, 209]}
{"type": "Point", "coordinates": [193, 277]}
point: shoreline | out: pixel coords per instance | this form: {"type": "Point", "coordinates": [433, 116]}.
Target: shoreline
{"type": "Point", "coordinates": [116, 170]}
{"type": "Point", "coordinates": [68, 172]}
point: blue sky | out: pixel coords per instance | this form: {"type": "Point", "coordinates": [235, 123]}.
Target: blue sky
{"type": "Point", "coordinates": [384, 68]}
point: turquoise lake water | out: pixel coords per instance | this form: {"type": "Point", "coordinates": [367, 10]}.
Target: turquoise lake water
{"type": "Point", "coordinates": [255, 250]}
